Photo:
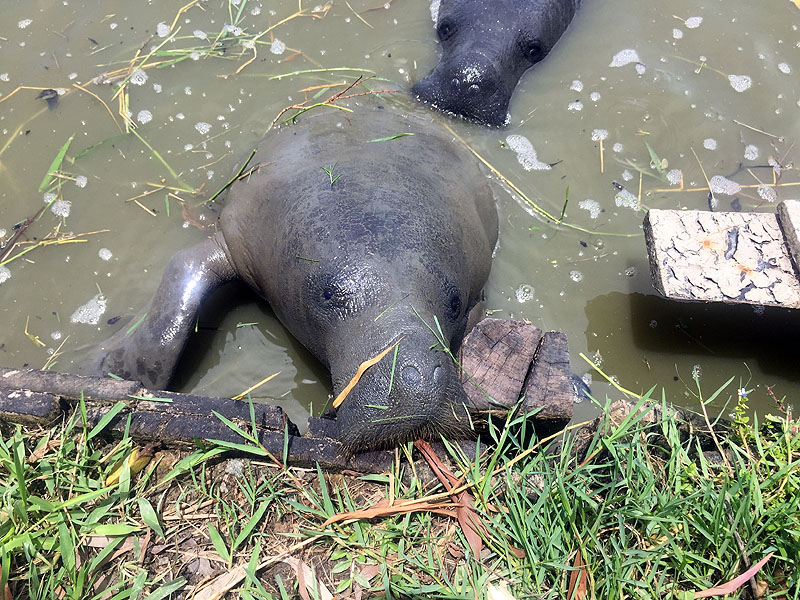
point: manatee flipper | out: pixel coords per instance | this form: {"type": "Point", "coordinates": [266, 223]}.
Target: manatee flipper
{"type": "Point", "coordinates": [149, 347]}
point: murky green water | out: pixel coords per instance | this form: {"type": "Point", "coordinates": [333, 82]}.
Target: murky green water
{"type": "Point", "coordinates": [680, 95]}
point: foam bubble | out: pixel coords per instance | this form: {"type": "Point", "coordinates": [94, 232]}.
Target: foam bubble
{"type": "Point", "coordinates": [526, 155]}
{"type": "Point", "coordinates": [575, 106]}
{"type": "Point", "coordinates": [723, 185]}
{"type": "Point", "coordinates": [740, 82]}
{"type": "Point", "coordinates": [751, 152]}
{"type": "Point", "coordinates": [599, 134]}
{"type": "Point", "coordinates": [677, 34]}
{"type": "Point", "coordinates": [202, 127]}
{"type": "Point", "coordinates": [784, 68]}
{"type": "Point", "coordinates": [5, 274]}
{"type": "Point", "coordinates": [200, 34]}
{"type": "Point", "coordinates": [90, 312]}
{"type": "Point", "coordinates": [138, 77]}
{"type": "Point", "coordinates": [576, 276]}
{"type": "Point", "coordinates": [435, 10]}
{"type": "Point", "coordinates": [61, 208]}
{"type": "Point", "coordinates": [24, 23]}
{"type": "Point", "coordinates": [624, 57]}
{"type": "Point", "coordinates": [594, 96]}
{"type": "Point", "coordinates": [693, 22]}
{"type": "Point", "coordinates": [104, 253]}
{"type": "Point", "coordinates": [577, 85]}
{"type": "Point", "coordinates": [81, 181]}
{"type": "Point", "coordinates": [277, 47]}
{"type": "Point", "coordinates": [162, 29]}
{"type": "Point", "coordinates": [626, 199]}
{"type": "Point", "coordinates": [674, 176]}
{"type": "Point", "coordinates": [524, 293]}
{"type": "Point", "coordinates": [593, 206]}
{"type": "Point", "coordinates": [767, 192]}
{"type": "Point", "coordinates": [144, 116]}
{"type": "Point", "coordinates": [710, 144]}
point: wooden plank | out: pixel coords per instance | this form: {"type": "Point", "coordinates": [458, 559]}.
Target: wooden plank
{"type": "Point", "coordinates": [789, 219]}
{"type": "Point", "coordinates": [496, 357]}
{"type": "Point", "coordinates": [720, 257]}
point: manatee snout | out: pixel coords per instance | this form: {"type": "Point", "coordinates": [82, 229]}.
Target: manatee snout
{"type": "Point", "coordinates": [415, 394]}
{"type": "Point", "coordinates": [470, 86]}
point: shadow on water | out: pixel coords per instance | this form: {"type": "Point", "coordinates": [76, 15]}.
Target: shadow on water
{"type": "Point", "coordinates": [673, 338]}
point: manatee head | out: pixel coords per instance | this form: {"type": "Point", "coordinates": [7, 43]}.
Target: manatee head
{"type": "Point", "coordinates": [485, 49]}
{"type": "Point", "coordinates": [420, 313]}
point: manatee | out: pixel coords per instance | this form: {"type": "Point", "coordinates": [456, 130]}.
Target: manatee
{"type": "Point", "coordinates": [361, 231]}
{"type": "Point", "coordinates": [486, 47]}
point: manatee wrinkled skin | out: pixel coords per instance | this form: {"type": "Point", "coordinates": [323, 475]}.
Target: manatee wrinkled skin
{"type": "Point", "coordinates": [486, 47]}
{"type": "Point", "coordinates": [394, 245]}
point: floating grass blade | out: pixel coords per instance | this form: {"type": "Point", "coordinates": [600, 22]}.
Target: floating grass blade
{"type": "Point", "coordinates": [55, 165]}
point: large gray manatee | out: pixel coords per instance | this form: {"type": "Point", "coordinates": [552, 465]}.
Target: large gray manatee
{"type": "Point", "coordinates": [486, 47]}
{"type": "Point", "coordinates": [357, 244]}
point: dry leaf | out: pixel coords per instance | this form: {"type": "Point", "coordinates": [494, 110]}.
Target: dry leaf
{"type": "Point", "coordinates": [307, 581]}
{"type": "Point", "coordinates": [735, 583]}
{"type": "Point", "coordinates": [578, 579]}
{"type": "Point", "coordinates": [360, 371]}
{"type": "Point", "coordinates": [498, 592]}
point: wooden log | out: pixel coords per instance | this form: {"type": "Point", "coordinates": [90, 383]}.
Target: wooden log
{"type": "Point", "coordinates": [496, 357]}
{"type": "Point", "coordinates": [720, 257]}
{"type": "Point", "coordinates": [498, 353]}
{"type": "Point", "coordinates": [548, 387]}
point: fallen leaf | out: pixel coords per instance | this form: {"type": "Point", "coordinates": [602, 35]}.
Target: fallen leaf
{"type": "Point", "coordinates": [360, 371]}
{"type": "Point", "coordinates": [734, 584]}
{"type": "Point", "coordinates": [384, 509]}
{"type": "Point", "coordinates": [308, 582]}
{"type": "Point", "coordinates": [471, 523]}
{"type": "Point", "coordinates": [498, 592]}
{"type": "Point", "coordinates": [578, 579]}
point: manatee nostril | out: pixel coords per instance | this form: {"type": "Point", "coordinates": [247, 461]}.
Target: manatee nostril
{"type": "Point", "coordinates": [474, 89]}
{"type": "Point", "coordinates": [456, 82]}
{"type": "Point", "coordinates": [411, 375]}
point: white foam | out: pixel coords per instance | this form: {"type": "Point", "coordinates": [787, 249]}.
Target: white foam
{"type": "Point", "coordinates": [624, 57]}
{"type": "Point", "coordinates": [677, 34]}
{"type": "Point", "coordinates": [577, 85]}
{"type": "Point", "coordinates": [200, 34]}
{"type": "Point", "coordinates": [575, 106]}
{"type": "Point", "coordinates": [767, 192]}
{"type": "Point", "coordinates": [24, 23]}
{"type": "Point", "coordinates": [61, 208]}
{"type": "Point", "coordinates": [740, 82]}
{"type": "Point", "coordinates": [674, 176]}
{"type": "Point", "coordinates": [144, 116]}
{"type": "Point", "coordinates": [723, 185]}
{"type": "Point", "coordinates": [626, 199]}
{"type": "Point", "coordinates": [277, 47]}
{"type": "Point", "coordinates": [784, 68]}
{"type": "Point", "coordinates": [202, 127]}
{"type": "Point", "coordinates": [435, 10]}
{"type": "Point", "coordinates": [5, 274]}
{"type": "Point", "coordinates": [599, 134]}
{"type": "Point", "coordinates": [524, 293]}
{"type": "Point", "coordinates": [81, 181]}
{"type": "Point", "coordinates": [138, 77]}
{"type": "Point", "coordinates": [162, 29]}
{"type": "Point", "coordinates": [710, 144]}
{"type": "Point", "coordinates": [693, 22]}
{"type": "Point", "coordinates": [576, 276]}
{"type": "Point", "coordinates": [751, 152]}
{"type": "Point", "coordinates": [104, 253]}
{"type": "Point", "coordinates": [90, 312]}
{"type": "Point", "coordinates": [526, 155]}
{"type": "Point", "coordinates": [593, 206]}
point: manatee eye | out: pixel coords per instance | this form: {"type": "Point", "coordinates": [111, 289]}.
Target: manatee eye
{"type": "Point", "coordinates": [535, 52]}
{"type": "Point", "coordinates": [445, 30]}
{"type": "Point", "coordinates": [327, 293]}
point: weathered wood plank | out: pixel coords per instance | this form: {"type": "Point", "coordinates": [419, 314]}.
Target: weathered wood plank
{"type": "Point", "coordinates": [720, 257]}
{"type": "Point", "coordinates": [789, 219]}
{"type": "Point", "coordinates": [496, 357]}
{"type": "Point", "coordinates": [548, 387]}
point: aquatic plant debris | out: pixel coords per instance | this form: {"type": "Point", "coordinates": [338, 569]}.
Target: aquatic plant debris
{"type": "Point", "coordinates": [90, 312]}
{"type": "Point", "coordinates": [526, 155]}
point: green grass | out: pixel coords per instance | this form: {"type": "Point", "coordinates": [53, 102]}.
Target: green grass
{"type": "Point", "coordinates": [649, 514]}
